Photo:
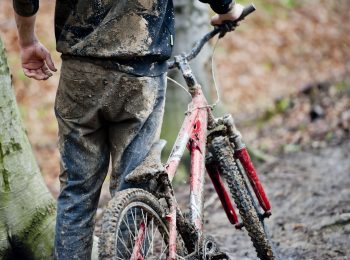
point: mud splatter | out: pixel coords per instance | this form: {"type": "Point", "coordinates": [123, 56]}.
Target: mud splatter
{"type": "Point", "coordinates": [147, 4]}
{"type": "Point", "coordinates": [141, 96]}
{"type": "Point", "coordinates": [121, 37]}
{"type": "Point", "coordinates": [150, 166]}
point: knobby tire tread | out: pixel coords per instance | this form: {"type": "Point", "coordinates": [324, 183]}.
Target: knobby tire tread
{"type": "Point", "coordinates": [114, 211]}
{"type": "Point", "coordinates": [238, 189]}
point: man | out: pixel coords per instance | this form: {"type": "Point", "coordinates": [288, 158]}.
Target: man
{"type": "Point", "coordinates": [110, 98]}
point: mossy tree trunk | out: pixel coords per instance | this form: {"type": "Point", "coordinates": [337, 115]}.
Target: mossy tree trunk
{"type": "Point", "coordinates": [27, 209]}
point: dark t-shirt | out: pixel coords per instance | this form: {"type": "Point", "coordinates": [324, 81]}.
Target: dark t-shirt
{"type": "Point", "coordinates": [134, 36]}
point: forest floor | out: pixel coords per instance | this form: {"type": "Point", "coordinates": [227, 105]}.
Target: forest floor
{"type": "Point", "coordinates": [287, 73]}
{"type": "Point", "coordinates": [310, 198]}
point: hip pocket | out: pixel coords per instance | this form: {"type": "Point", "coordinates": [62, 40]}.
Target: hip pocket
{"type": "Point", "coordinates": [74, 97]}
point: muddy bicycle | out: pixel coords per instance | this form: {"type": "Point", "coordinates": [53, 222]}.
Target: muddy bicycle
{"type": "Point", "coordinates": [148, 223]}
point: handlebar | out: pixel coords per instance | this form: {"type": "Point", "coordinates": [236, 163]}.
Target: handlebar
{"type": "Point", "coordinates": [222, 29]}
{"type": "Point", "coordinates": [247, 11]}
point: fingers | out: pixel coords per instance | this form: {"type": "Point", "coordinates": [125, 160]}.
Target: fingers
{"type": "Point", "coordinates": [42, 73]}
{"type": "Point", "coordinates": [37, 74]}
{"type": "Point", "coordinates": [46, 70]}
{"type": "Point", "coordinates": [37, 62]}
{"type": "Point", "coordinates": [49, 62]}
{"type": "Point", "coordinates": [43, 52]}
{"type": "Point", "coordinates": [215, 20]}
{"type": "Point", "coordinates": [233, 15]}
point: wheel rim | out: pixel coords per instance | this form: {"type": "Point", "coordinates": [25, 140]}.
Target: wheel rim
{"type": "Point", "coordinates": [141, 234]}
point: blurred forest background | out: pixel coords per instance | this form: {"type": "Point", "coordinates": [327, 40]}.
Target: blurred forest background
{"type": "Point", "coordinates": [284, 74]}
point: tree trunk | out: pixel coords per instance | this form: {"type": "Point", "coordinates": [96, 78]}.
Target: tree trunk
{"type": "Point", "coordinates": [192, 22]}
{"type": "Point", "coordinates": [27, 209]}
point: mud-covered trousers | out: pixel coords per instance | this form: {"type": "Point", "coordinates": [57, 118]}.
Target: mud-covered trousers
{"type": "Point", "coordinates": [101, 114]}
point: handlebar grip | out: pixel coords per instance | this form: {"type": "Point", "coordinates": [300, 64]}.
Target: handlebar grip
{"type": "Point", "coordinates": [247, 11]}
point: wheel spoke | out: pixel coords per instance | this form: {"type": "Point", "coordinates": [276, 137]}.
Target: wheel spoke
{"type": "Point", "coordinates": [162, 251]}
{"type": "Point", "coordinates": [153, 232]}
{"type": "Point", "coordinates": [151, 242]}
{"type": "Point", "coordinates": [128, 226]}
{"type": "Point", "coordinates": [119, 253]}
{"type": "Point", "coordinates": [145, 240]}
{"type": "Point", "coordinates": [135, 224]}
{"type": "Point", "coordinates": [149, 239]}
{"type": "Point", "coordinates": [123, 244]}
{"type": "Point", "coordinates": [143, 220]}
{"type": "Point", "coordinates": [122, 240]}
{"type": "Point", "coordinates": [144, 237]}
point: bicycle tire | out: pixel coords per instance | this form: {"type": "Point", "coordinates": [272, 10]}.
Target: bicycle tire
{"type": "Point", "coordinates": [223, 153]}
{"type": "Point", "coordinates": [114, 221]}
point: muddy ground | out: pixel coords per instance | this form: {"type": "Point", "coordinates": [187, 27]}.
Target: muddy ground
{"type": "Point", "coordinates": [310, 194]}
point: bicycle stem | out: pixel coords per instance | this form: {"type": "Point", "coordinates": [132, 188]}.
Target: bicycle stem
{"type": "Point", "coordinates": [182, 63]}
{"type": "Point", "coordinates": [193, 87]}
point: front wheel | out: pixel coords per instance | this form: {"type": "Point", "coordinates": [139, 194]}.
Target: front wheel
{"type": "Point", "coordinates": [224, 155]}
{"type": "Point", "coordinates": [133, 227]}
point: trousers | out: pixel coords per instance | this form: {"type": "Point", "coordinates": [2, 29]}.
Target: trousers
{"type": "Point", "coordinates": [103, 116]}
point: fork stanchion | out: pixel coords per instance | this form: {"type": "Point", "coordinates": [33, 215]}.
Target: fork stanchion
{"type": "Point", "coordinates": [243, 156]}
{"type": "Point", "coordinates": [214, 174]}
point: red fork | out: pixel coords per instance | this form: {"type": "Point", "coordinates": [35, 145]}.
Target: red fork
{"type": "Point", "coordinates": [243, 156]}
{"type": "Point", "coordinates": [136, 253]}
{"type": "Point", "coordinates": [214, 174]}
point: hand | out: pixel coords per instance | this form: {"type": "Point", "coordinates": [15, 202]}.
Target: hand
{"type": "Point", "coordinates": [233, 15]}
{"type": "Point", "coordinates": [36, 61]}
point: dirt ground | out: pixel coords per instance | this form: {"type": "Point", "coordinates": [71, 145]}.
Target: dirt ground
{"type": "Point", "coordinates": [310, 197]}
{"type": "Point", "coordinates": [308, 181]}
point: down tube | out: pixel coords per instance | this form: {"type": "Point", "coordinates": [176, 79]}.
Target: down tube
{"type": "Point", "coordinates": [197, 148]}
{"type": "Point", "coordinates": [180, 144]}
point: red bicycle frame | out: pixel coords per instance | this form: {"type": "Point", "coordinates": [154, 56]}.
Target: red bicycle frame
{"type": "Point", "coordinates": [193, 135]}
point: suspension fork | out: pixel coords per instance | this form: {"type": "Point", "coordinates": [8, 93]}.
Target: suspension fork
{"type": "Point", "coordinates": [242, 155]}
{"type": "Point", "coordinates": [215, 176]}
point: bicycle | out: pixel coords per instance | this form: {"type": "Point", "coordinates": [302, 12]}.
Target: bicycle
{"type": "Point", "coordinates": [148, 224]}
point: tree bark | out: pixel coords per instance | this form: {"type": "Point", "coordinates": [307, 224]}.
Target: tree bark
{"type": "Point", "coordinates": [192, 22]}
{"type": "Point", "coordinates": [27, 209]}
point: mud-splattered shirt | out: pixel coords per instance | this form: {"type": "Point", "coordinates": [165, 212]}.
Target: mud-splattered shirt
{"type": "Point", "coordinates": [134, 36]}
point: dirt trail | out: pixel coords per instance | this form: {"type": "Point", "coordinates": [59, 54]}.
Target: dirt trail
{"type": "Point", "coordinates": [310, 194]}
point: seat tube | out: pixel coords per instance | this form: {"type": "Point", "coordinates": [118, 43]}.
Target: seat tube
{"type": "Point", "coordinates": [197, 148]}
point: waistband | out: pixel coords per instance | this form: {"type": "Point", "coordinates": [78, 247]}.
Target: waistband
{"type": "Point", "coordinates": [139, 66]}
